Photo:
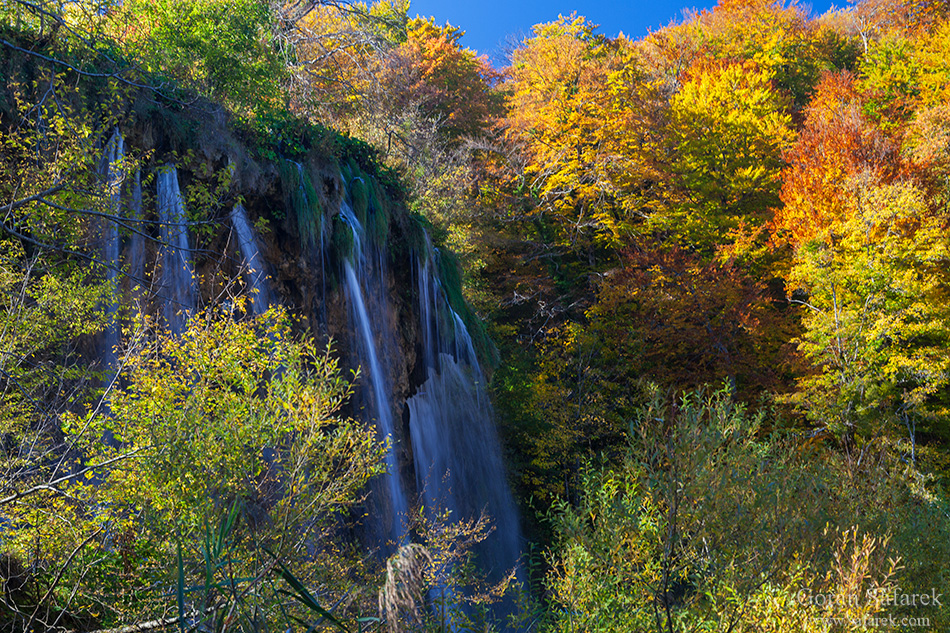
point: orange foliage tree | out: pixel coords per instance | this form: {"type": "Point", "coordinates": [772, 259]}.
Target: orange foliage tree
{"type": "Point", "coordinates": [450, 83]}
{"type": "Point", "coordinates": [338, 51]}
{"type": "Point", "coordinates": [836, 143]}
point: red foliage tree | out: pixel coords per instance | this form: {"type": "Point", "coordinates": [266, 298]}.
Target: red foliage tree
{"type": "Point", "coordinates": [681, 321]}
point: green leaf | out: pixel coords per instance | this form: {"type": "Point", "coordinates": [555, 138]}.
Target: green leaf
{"type": "Point", "coordinates": [302, 595]}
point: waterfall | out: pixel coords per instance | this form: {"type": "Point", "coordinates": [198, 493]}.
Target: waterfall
{"type": "Point", "coordinates": [136, 254]}
{"type": "Point", "coordinates": [112, 172]}
{"type": "Point", "coordinates": [178, 288]}
{"type": "Point", "coordinates": [382, 409]}
{"type": "Point", "coordinates": [363, 285]}
{"type": "Point", "coordinates": [456, 453]}
{"type": "Point", "coordinates": [455, 446]}
{"type": "Point", "coordinates": [253, 265]}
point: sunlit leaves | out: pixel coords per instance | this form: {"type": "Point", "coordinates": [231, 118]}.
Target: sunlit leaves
{"type": "Point", "coordinates": [877, 323]}
{"type": "Point", "coordinates": [451, 84]}
{"type": "Point", "coordinates": [889, 78]}
{"type": "Point", "coordinates": [551, 86]}
{"type": "Point", "coordinates": [232, 413]}
{"type": "Point", "coordinates": [226, 50]}
{"type": "Point", "coordinates": [933, 57]}
{"type": "Point", "coordinates": [583, 114]}
{"type": "Point", "coordinates": [730, 128]}
{"type": "Point", "coordinates": [775, 36]}
{"type": "Point", "coordinates": [836, 143]}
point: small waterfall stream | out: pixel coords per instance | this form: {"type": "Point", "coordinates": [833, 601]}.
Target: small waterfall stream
{"type": "Point", "coordinates": [255, 275]}
{"type": "Point", "coordinates": [179, 288]}
{"type": "Point", "coordinates": [136, 253]}
{"type": "Point", "coordinates": [360, 283]}
{"type": "Point", "coordinates": [382, 409]}
{"type": "Point", "coordinates": [455, 446]}
{"type": "Point", "coordinates": [113, 174]}
{"type": "Point", "coordinates": [456, 453]}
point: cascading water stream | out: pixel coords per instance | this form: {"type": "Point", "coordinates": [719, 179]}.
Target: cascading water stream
{"type": "Point", "coordinates": [400, 506]}
{"type": "Point", "coordinates": [455, 449]}
{"type": "Point", "coordinates": [136, 253]}
{"type": "Point", "coordinates": [455, 446]}
{"type": "Point", "coordinates": [179, 288]}
{"type": "Point", "coordinates": [381, 401]}
{"type": "Point", "coordinates": [253, 265]}
{"type": "Point", "coordinates": [112, 172]}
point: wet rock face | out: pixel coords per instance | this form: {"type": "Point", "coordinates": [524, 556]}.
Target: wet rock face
{"type": "Point", "coordinates": [303, 277]}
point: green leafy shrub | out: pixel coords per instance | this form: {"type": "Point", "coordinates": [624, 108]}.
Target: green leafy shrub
{"type": "Point", "coordinates": [705, 526]}
{"type": "Point", "coordinates": [224, 444]}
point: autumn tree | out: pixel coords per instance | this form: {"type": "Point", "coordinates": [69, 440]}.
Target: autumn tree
{"type": "Point", "coordinates": [432, 71]}
{"type": "Point", "coordinates": [580, 110]}
{"type": "Point", "coordinates": [836, 144]}
{"type": "Point", "coordinates": [902, 71]}
{"type": "Point", "coordinates": [226, 450]}
{"type": "Point", "coordinates": [338, 52]}
{"type": "Point", "coordinates": [932, 55]}
{"type": "Point", "coordinates": [730, 129]}
{"type": "Point", "coordinates": [876, 323]}
{"type": "Point", "coordinates": [874, 19]}
{"type": "Point", "coordinates": [776, 36]}
{"type": "Point", "coordinates": [431, 100]}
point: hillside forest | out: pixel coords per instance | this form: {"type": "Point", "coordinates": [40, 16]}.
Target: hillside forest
{"type": "Point", "coordinates": [698, 283]}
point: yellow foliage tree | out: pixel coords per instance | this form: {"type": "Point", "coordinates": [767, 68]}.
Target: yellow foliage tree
{"type": "Point", "coordinates": [729, 127]}
{"type": "Point", "coordinates": [581, 111]}
{"type": "Point", "coordinates": [877, 322]}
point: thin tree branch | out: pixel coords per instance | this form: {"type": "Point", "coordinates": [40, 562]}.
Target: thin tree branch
{"type": "Point", "coordinates": [59, 575]}
{"type": "Point", "coordinates": [51, 486]}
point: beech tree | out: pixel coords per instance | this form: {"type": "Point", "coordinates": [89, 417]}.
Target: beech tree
{"type": "Point", "coordinates": [837, 143]}
{"type": "Point", "coordinates": [876, 323]}
{"type": "Point", "coordinates": [730, 129]}
{"type": "Point", "coordinates": [773, 34]}
{"type": "Point", "coordinates": [584, 115]}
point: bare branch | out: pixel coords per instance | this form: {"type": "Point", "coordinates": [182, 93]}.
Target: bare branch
{"type": "Point", "coordinates": [51, 486]}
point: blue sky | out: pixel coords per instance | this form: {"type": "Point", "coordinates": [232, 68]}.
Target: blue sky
{"type": "Point", "coordinates": [489, 23]}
